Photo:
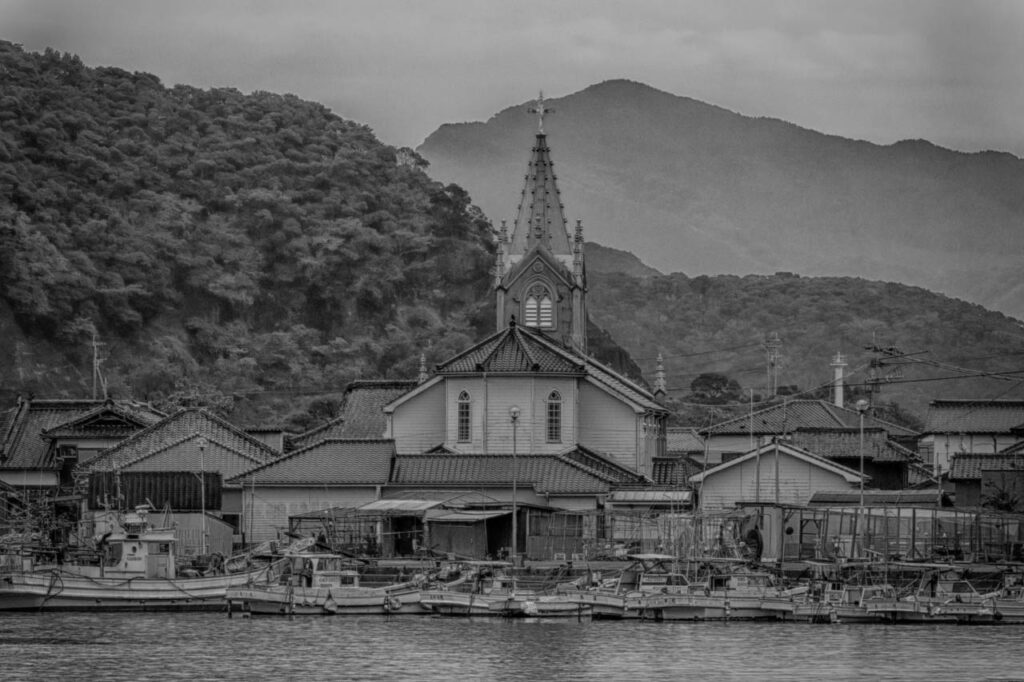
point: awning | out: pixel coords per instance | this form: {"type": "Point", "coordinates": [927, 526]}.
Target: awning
{"type": "Point", "coordinates": [399, 505]}
{"type": "Point", "coordinates": [650, 497]}
{"type": "Point", "coordinates": [467, 516]}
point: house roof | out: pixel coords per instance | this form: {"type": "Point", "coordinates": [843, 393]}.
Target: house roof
{"type": "Point", "coordinates": [22, 444]}
{"type": "Point", "coordinates": [106, 421]}
{"type": "Point", "coordinates": [974, 416]}
{"type": "Point", "coordinates": [1016, 448]}
{"type": "Point", "coordinates": [847, 473]}
{"type": "Point", "coordinates": [845, 444]}
{"type": "Point", "coordinates": [554, 474]}
{"type": "Point", "coordinates": [788, 416]}
{"type": "Point", "coordinates": [362, 413]}
{"type": "Point", "coordinates": [328, 462]}
{"type": "Point", "coordinates": [682, 439]}
{"type": "Point", "coordinates": [182, 427]}
{"type": "Point", "coordinates": [674, 470]}
{"type": "Point", "coordinates": [967, 466]}
{"type": "Point", "coordinates": [514, 350]}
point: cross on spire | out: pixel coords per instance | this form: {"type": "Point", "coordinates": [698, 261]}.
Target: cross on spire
{"type": "Point", "coordinates": [540, 110]}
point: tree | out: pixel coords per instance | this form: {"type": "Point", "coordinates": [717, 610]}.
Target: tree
{"type": "Point", "coordinates": [715, 388]}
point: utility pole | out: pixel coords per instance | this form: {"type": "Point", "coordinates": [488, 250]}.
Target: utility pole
{"type": "Point", "coordinates": [772, 346]}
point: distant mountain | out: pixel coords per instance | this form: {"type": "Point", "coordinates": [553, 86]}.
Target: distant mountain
{"type": "Point", "coordinates": [692, 187]}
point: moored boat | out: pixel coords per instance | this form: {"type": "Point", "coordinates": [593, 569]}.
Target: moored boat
{"type": "Point", "coordinates": [136, 571]}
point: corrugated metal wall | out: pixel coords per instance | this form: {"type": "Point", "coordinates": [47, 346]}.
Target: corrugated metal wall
{"type": "Point", "coordinates": [181, 490]}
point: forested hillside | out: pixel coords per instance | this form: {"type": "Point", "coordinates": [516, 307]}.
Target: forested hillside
{"type": "Point", "coordinates": [218, 244]}
{"type": "Point", "coordinates": [720, 324]}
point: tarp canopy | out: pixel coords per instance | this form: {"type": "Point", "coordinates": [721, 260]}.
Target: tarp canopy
{"type": "Point", "coordinates": [650, 496]}
{"type": "Point", "coordinates": [467, 516]}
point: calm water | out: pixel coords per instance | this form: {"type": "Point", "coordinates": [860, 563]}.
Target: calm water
{"type": "Point", "coordinates": [210, 646]}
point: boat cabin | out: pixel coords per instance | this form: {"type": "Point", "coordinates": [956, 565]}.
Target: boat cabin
{"type": "Point", "coordinates": [137, 550]}
{"type": "Point", "coordinates": [318, 570]}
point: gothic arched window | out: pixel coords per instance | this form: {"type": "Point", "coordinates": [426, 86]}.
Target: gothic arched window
{"type": "Point", "coordinates": [465, 418]}
{"type": "Point", "coordinates": [539, 308]}
{"type": "Point", "coordinates": [554, 423]}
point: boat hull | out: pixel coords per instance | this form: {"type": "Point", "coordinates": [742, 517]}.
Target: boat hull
{"type": "Point", "coordinates": [324, 601]}
{"type": "Point", "coordinates": [68, 591]}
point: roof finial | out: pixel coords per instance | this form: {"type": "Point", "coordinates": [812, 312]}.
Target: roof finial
{"type": "Point", "coordinates": [423, 368]}
{"type": "Point", "coordinates": [540, 110]}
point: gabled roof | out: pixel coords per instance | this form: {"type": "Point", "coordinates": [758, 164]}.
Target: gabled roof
{"type": "Point", "coordinates": [106, 421]}
{"type": "Point", "coordinates": [847, 473]}
{"type": "Point", "coordinates": [181, 427]}
{"type": "Point", "coordinates": [362, 412]}
{"type": "Point", "coordinates": [845, 444]}
{"type": "Point", "coordinates": [966, 466]}
{"type": "Point", "coordinates": [514, 350]}
{"type": "Point", "coordinates": [790, 415]}
{"type": "Point", "coordinates": [554, 474]}
{"type": "Point", "coordinates": [974, 416]}
{"type": "Point", "coordinates": [327, 462]}
{"type": "Point", "coordinates": [1016, 448]}
{"type": "Point", "coordinates": [683, 439]}
{"type": "Point", "coordinates": [22, 445]}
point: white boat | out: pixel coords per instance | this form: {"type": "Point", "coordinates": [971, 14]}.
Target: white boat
{"type": "Point", "coordinates": [136, 572]}
{"type": "Point", "coordinates": [323, 584]}
{"type": "Point", "coordinates": [622, 597]}
{"type": "Point", "coordinates": [485, 591]}
{"type": "Point", "coordinates": [942, 596]}
{"type": "Point", "coordinates": [734, 595]}
{"type": "Point", "coordinates": [838, 602]}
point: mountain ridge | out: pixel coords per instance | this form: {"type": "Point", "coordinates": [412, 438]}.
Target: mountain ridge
{"type": "Point", "coordinates": [696, 188]}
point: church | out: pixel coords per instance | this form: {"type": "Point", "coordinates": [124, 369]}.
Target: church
{"type": "Point", "coordinates": [530, 393]}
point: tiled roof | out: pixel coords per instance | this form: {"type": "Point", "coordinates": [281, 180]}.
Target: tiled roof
{"type": "Point", "coordinates": [674, 471]}
{"type": "Point", "coordinates": [107, 420]}
{"type": "Point", "coordinates": [362, 413]}
{"type": "Point", "coordinates": [22, 445]}
{"type": "Point", "coordinates": [793, 451]}
{"type": "Point", "coordinates": [553, 474]}
{"type": "Point", "coordinates": [968, 466]}
{"type": "Point", "coordinates": [974, 416]}
{"type": "Point", "coordinates": [186, 425]}
{"type": "Point", "coordinates": [606, 467]}
{"type": "Point", "coordinates": [683, 439]}
{"type": "Point", "coordinates": [515, 349]}
{"type": "Point", "coordinates": [808, 414]}
{"type": "Point", "coordinates": [328, 462]}
{"type": "Point", "coordinates": [845, 444]}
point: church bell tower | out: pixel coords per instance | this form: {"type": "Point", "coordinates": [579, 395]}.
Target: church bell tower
{"type": "Point", "coordinates": [540, 278]}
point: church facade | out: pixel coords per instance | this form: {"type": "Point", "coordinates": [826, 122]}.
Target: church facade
{"type": "Point", "coordinates": [531, 389]}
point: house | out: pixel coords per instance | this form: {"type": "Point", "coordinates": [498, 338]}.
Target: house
{"type": "Point", "coordinates": [969, 426]}
{"type": "Point", "coordinates": [782, 420]}
{"type": "Point", "coordinates": [885, 462]}
{"type": "Point", "coordinates": [329, 473]}
{"type": "Point", "coordinates": [989, 479]}
{"type": "Point", "coordinates": [779, 473]}
{"type": "Point", "coordinates": [362, 413]}
{"type": "Point", "coordinates": [41, 441]}
{"type": "Point", "coordinates": [194, 442]}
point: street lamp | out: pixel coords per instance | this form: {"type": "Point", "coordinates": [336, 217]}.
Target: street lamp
{"type": "Point", "coordinates": [202, 442]}
{"type": "Point", "coordinates": [513, 414]}
{"type": "Point", "coordinates": [862, 407]}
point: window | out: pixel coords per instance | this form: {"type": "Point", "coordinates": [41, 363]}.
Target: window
{"type": "Point", "coordinates": [554, 417]}
{"type": "Point", "coordinates": [465, 424]}
{"type": "Point", "coordinates": [539, 308]}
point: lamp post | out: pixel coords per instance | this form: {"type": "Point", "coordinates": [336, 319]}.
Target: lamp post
{"type": "Point", "coordinates": [513, 414]}
{"type": "Point", "coordinates": [862, 407]}
{"type": "Point", "coordinates": [202, 442]}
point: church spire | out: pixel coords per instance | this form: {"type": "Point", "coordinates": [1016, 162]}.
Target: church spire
{"type": "Point", "coordinates": [540, 277]}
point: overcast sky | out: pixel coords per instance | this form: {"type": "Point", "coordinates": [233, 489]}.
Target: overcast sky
{"type": "Point", "coordinates": [950, 71]}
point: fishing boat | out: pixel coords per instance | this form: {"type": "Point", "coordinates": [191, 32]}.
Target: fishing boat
{"type": "Point", "coordinates": [840, 602]}
{"type": "Point", "coordinates": [739, 593]}
{"type": "Point", "coordinates": [485, 591]}
{"type": "Point", "coordinates": [313, 583]}
{"type": "Point", "coordinates": [941, 595]}
{"type": "Point", "coordinates": [621, 597]}
{"type": "Point", "coordinates": [136, 570]}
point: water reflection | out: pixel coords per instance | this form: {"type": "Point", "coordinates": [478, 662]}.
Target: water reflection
{"type": "Point", "coordinates": [210, 646]}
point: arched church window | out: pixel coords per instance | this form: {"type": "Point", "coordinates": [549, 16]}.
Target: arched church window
{"type": "Point", "coordinates": [539, 308]}
{"type": "Point", "coordinates": [464, 418]}
{"type": "Point", "coordinates": [554, 417]}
